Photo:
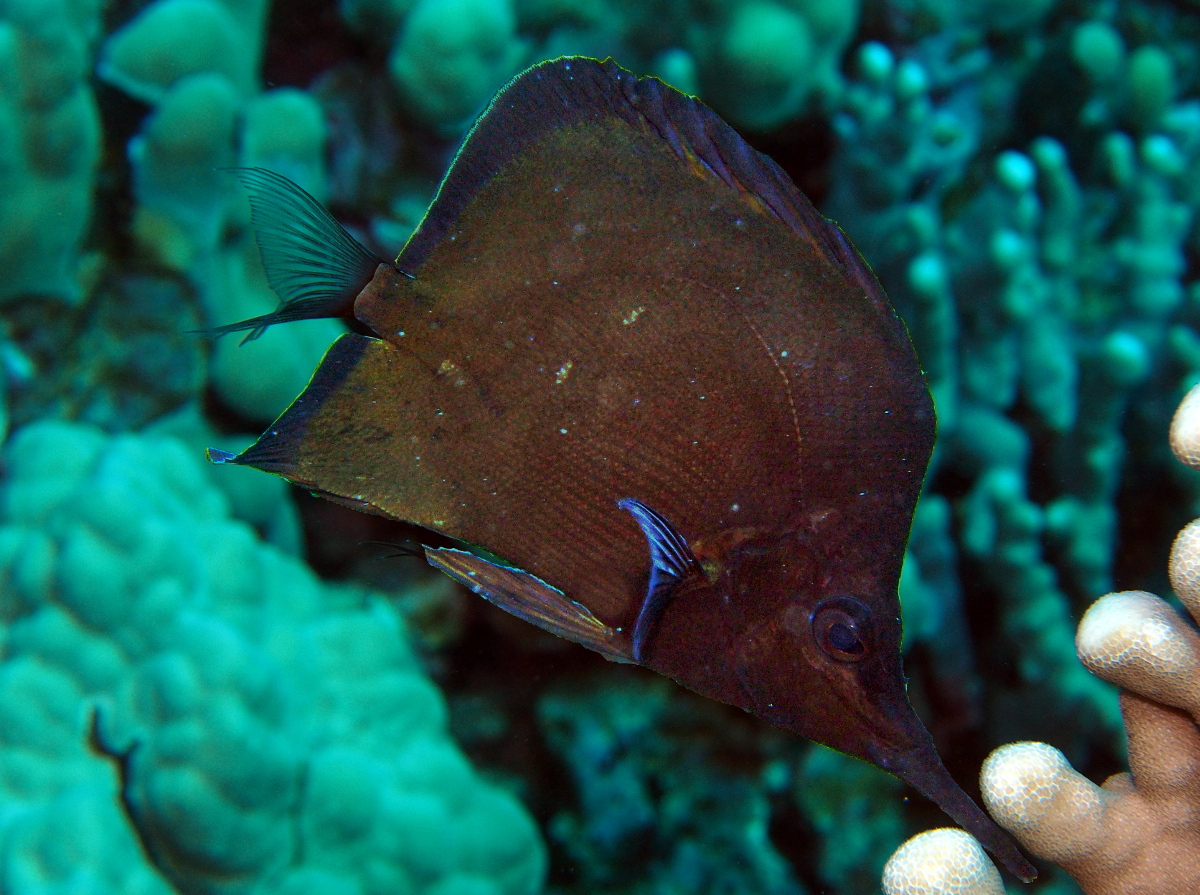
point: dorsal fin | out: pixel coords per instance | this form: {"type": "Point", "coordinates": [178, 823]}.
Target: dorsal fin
{"type": "Point", "coordinates": [315, 267]}
{"type": "Point", "coordinates": [575, 89]}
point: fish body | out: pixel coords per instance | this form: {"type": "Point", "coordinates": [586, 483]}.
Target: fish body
{"type": "Point", "coordinates": [626, 357]}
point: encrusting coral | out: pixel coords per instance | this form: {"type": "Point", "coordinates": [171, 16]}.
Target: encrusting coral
{"type": "Point", "coordinates": [1139, 832]}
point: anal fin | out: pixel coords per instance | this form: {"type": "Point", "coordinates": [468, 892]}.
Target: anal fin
{"type": "Point", "coordinates": [527, 596]}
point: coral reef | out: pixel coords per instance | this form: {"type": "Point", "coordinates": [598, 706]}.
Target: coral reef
{"type": "Point", "coordinates": [120, 360]}
{"type": "Point", "coordinates": [675, 791]}
{"type": "Point", "coordinates": [195, 62]}
{"type": "Point", "coordinates": [1044, 285]}
{"type": "Point", "coordinates": [648, 808]}
{"type": "Point", "coordinates": [1137, 832]}
{"type": "Point", "coordinates": [271, 733]}
{"type": "Point", "coordinates": [51, 144]}
{"type": "Point", "coordinates": [1022, 176]}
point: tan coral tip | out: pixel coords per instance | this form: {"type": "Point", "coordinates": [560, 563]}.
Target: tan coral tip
{"type": "Point", "coordinates": [1033, 792]}
{"type": "Point", "coordinates": [941, 862]}
{"type": "Point", "coordinates": [1185, 429]}
{"type": "Point", "coordinates": [1136, 641]}
{"type": "Point", "coordinates": [1184, 568]}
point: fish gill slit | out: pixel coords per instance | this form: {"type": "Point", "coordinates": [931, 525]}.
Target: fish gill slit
{"type": "Point", "coordinates": [787, 389]}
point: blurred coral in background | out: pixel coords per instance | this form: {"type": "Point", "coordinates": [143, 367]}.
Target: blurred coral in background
{"type": "Point", "coordinates": [284, 709]}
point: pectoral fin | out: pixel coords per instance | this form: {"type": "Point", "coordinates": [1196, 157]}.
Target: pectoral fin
{"type": "Point", "coordinates": [532, 599]}
{"type": "Point", "coordinates": [671, 564]}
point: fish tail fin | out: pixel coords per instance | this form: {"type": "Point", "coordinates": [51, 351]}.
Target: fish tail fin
{"type": "Point", "coordinates": [315, 267]}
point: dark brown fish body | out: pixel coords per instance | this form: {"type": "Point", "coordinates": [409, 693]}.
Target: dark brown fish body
{"type": "Point", "coordinates": [614, 299]}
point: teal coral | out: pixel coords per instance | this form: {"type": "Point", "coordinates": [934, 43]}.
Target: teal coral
{"type": "Point", "coordinates": [1022, 177]}
{"type": "Point", "coordinates": [656, 806]}
{"type": "Point", "coordinates": [171, 40]}
{"type": "Point", "coordinates": [763, 62]}
{"type": "Point", "coordinates": [1035, 293]}
{"type": "Point", "coordinates": [675, 794]}
{"type": "Point", "coordinates": [282, 735]}
{"type": "Point", "coordinates": [195, 61]}
{"type": "Point", "coordinates": [850, 805]}
{"type": "Point", "coordinates": [450, 56]}
{"type": "Point", "coordinates": [51, 144]}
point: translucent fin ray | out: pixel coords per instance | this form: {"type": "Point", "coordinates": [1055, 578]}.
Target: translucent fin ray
{"type": "Point", "coordinates": [312, 264]}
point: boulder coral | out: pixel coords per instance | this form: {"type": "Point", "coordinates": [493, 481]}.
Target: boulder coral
{"type": "Point", "coordinates": [762, 62]}
{"type": "Point", "coordinates": [451, 56]}
{"type": "Point", "coordinates": [196, 63]}
{"type": "Point", "coordinates": [271, 733]}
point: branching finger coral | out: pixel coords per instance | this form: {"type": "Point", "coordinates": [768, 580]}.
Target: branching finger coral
{"type": "Point", "coordinates": [1139, 832]}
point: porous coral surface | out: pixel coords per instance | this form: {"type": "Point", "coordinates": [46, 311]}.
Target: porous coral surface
{"type": "Point", "coordinates": [255, 730]}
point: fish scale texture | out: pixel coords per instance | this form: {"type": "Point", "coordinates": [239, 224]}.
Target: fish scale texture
{"type": "Point", "coordinates": [283, 738]}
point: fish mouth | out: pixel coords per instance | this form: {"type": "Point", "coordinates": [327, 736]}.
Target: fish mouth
{"type": "Point", "coordinates": [921, 768]}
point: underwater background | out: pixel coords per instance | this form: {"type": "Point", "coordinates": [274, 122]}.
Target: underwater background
{"type": "Point", "coordinates": [211, 682]}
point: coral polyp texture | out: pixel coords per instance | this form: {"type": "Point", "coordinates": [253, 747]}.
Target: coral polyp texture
{"type": "Point", "coordinates": [274, 734]}
{"type": "Point", "coordinates": [941, 862]}
{"type": "Point", "coordinates": [1138, 832]}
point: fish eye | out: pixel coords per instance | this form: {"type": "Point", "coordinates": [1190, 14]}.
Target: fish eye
{"type": "Point", "coordinates": [842, 628]}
